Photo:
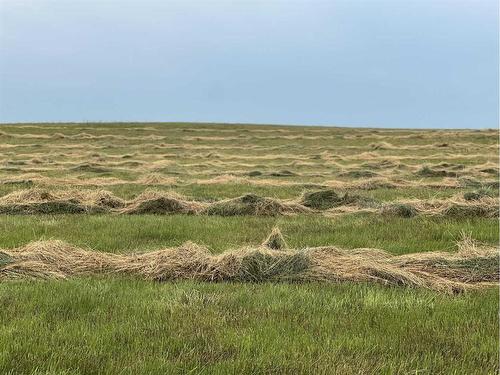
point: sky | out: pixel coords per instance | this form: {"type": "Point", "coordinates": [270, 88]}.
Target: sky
{"type": "Point", "coordinates": [381, 63]}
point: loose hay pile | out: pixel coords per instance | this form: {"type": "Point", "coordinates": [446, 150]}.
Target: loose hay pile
{"type": "Point", "coordinates": [472, 266]}
{"type": "Point", "coordinates": [251, 204]}
{"type": "Point", "coordinates": [399, 209]}
{"type": "Point", "coordinates": [328, 198]}
{"type": "Point", "coordinates": [154, 202]}
{"type": "Point", "coordinates": [43, 201]}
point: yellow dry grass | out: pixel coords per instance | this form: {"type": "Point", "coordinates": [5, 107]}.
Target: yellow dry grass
{"type": "Point", "coordinates": [42, 200]}
{"type": "Point", "coordinates": [472, 266]}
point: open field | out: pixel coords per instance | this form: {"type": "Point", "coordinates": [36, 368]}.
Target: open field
{"type": "Point", "coordinates": [388, 261]}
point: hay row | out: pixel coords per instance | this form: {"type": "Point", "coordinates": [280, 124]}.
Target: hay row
{"type": "Point", "coordinates": [326, 152]}
{"type": "Point", "coordinates": [321, 160]}
{"type": "Point", "coordinates": [486, 208]}
{"type": "Point", "coordinates": [82, 136]}
{"type": "Point", "coordinates": [159, 179]}
{"type": "Point", "coordinates": [473, 266]}
{"type": "Point", "coordinates": [41, 201]}
{"type": "Point", "coordinates": [383, 168]}
{"type": "Point", "coordinates": [478, 203]}
{"type": "Point", "coordinates": [238, 135]}
{"type": "Point", "coordinates": [364, 184]}
{"type": "Point", "coordinates": [447, 134]}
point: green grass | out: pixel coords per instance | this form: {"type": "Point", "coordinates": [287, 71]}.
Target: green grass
{"type": "Point", "coordinates": [119, 325]}
{"type": "Point", "coordinates": [146, 232]}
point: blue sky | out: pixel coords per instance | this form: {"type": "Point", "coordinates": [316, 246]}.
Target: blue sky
{"type": "Point", "coordinates": [421, 63]}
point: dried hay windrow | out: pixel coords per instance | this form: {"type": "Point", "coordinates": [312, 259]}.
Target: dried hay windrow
{"type": "Point", "coordinates": [250, 175]}
{"type": "Point", "coordinates": [457, 207]}
{"type": "Point", "coordinates": [359, 173]}
{"type": "Point", "coordinates": [156, 179]}
{"type": "Point", "coordinates": [472, 266]}
{"type": "Point", "coordinates": [43, 201]}
{"type": "Point", "coordinates": [427, 171]}
{"type": "Point", "coordinates": [327, 198]}
{"type": "Point", "coordinates": [251, 204]}
{"type": "Point", "coordinates": [155, 202]}
{"type": "Point", "coordinates": [478, 203]}
{"type": "Point", "coordinates": [399, 209]}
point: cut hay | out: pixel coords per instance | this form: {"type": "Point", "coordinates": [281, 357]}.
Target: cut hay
{"type": "Point", "coordinates": [471, 210]}
{"type": "Point", "coordinates": [452, 166]}
{"type": "Point", "coordinates": [328, 198]}
{"type": "Point", "coordinates": [427, 171]}
{"type": "Point", "coordinates": [53, 207]}
{"type": "Point", "coordinates": [472, 266]}
{"type": "Point", "coordinates": [252, 204]}
{"type": "Point", "coordinates": [477, 195]}
{"type": "Point", "coordinates": [42, 201]}
{"type": "Point", "coordinates": [358, 173]}
{"type": "Point", "coordinates": [383, 164]}
{"type": "Point", "coordinates": [254, 173]}
{"type": "Point", "coordinates": [382, 146]}
{"type": "Point", "coordinates": [469, 182]}
{"type": "Point", "coordinates": [160, 203]}
{"type": "Point", "coordinates": [282, 173]}
{"type": "Point", "coordinates": [399, 209]}
{"type": "Point", "coordinates": [92, 168]}
{"type": "Point", "coordinates": [367, 184]}
{"type": "Point", "coordinates": [456, 207]}
{"type": "Point", "coordinates": [73, 201]}
{"type": "Point", "coordinates": [493, 171]}
{"type": "Point", "coordinates": [275, 240]}
{"type": "Point", "coordinates": [320, 199]}
{"type": "Point", "coordinates": [156, 179]}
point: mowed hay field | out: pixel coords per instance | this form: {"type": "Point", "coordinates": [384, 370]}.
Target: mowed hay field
{"type": "Point", "coordinates": [208, 248]}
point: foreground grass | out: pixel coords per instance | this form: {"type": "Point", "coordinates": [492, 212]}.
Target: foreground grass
{"type": "Point", "coordinates": [145, 232]}
{"type": "Point", "coordinates": [125, 326]}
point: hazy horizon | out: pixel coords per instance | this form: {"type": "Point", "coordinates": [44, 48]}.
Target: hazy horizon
{"type": "Point", "coordinates": [150, 122]}
{"type": "Point", "coordinates": [380, 64]}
